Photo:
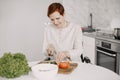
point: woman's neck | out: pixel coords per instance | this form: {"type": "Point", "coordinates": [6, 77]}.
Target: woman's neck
{"type": "Point", "coordinates": [64, 25]}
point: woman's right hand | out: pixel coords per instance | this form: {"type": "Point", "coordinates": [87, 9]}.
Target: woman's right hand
{"type": "Point", "coordinates": [50, 50]}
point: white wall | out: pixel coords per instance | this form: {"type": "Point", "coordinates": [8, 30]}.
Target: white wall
{"type": "Point", "coordinates": [77, 11]}
{"type": "Point", "coordinates": [21, 26]}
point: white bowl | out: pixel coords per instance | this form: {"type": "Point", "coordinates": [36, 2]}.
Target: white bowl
{"type": "Point", "coordinates": [45, 71]}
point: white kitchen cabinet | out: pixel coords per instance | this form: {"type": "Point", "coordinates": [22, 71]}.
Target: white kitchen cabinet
{"type": "Point", "coordinates": [89, 48]}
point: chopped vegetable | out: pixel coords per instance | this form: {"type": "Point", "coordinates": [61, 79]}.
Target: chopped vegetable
{"type": "Point", "coordinates": [13, 65]}
{"type": "Point", "coordinates": [54, 62]}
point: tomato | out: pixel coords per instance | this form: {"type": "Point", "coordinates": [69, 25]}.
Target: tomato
{"type": "Point", "coordinates": [64, 65]}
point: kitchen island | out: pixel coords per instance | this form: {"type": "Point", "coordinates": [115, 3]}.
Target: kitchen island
{"type": "Point", "coordinates": [83, 71]}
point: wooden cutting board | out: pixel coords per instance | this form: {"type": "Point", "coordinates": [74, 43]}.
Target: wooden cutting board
{"type": "Point", "coordinates": [68, 70]}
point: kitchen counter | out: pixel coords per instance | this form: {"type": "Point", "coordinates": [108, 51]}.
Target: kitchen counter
{"type": "Point", "coordinates": [90, 34]}
{"type": "Point", "coordinates": [94, 35]}
{"type": "Point", "coordinates": [82, 72]}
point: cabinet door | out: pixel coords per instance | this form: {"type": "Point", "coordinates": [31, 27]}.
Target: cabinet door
{"type": "Point", "coordinates": [89, 48]}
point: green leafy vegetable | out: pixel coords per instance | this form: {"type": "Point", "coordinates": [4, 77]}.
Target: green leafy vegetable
{"type": "Point", "coordinates": [13, 65]}
{"type": "Point", "coordinates": [53, 62]}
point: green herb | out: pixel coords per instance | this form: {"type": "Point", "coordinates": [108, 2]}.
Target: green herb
{"type": "Point", "coordinates": [13, 65]}
{"type": "Point", "coordinates": [53, 62]}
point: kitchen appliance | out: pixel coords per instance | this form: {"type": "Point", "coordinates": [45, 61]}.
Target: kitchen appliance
{"type": "Point", "coordinates": [108, 52]}
{"type": "Point", "coordinates": [117, 33]}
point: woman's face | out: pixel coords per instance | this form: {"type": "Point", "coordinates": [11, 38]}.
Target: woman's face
{"type": "Point", "coordinates": [57, 19]}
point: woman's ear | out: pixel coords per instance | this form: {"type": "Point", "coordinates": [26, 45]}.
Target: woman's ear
{"type": "Point", "coordinates": [63, 14]}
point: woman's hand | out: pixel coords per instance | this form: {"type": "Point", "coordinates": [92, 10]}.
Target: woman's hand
{"type": "Point", "coordinates": [50, 50]}
{"type": "Point", "coordinates": [62, 56]}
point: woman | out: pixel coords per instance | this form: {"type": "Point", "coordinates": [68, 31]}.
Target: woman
{"type": "Point", "coordinates": [61, 38]}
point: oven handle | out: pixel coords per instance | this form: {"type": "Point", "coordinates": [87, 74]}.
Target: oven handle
{"type": "Point", "coordinates": [113, 55]}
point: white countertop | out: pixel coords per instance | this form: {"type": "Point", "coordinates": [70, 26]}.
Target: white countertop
{"type": "Point", "coordinates": [82, 72]}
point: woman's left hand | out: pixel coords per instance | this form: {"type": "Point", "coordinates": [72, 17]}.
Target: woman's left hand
{"type": "Point", "coordinates": [61, 56]}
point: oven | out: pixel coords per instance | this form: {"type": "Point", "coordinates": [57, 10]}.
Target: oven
{"type": "Point", "coordinates": [108, 55]}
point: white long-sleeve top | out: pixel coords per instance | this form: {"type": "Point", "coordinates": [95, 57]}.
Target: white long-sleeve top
{"type": "Point", "coordinates": [65, 39]}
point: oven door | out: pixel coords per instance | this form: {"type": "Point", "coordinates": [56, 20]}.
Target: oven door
{"type": "Point", "coordinates": [106, 58]}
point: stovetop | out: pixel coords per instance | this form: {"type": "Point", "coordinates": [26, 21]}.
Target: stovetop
{"type": "Point", "coordinates": [106, 35]}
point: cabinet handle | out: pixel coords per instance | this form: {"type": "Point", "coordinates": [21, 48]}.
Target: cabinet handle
{"type": "Point", "coordinates": [113, 55]}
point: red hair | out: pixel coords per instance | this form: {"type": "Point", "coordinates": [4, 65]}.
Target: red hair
{"type": "Point", "coordinates": [55, 7]}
